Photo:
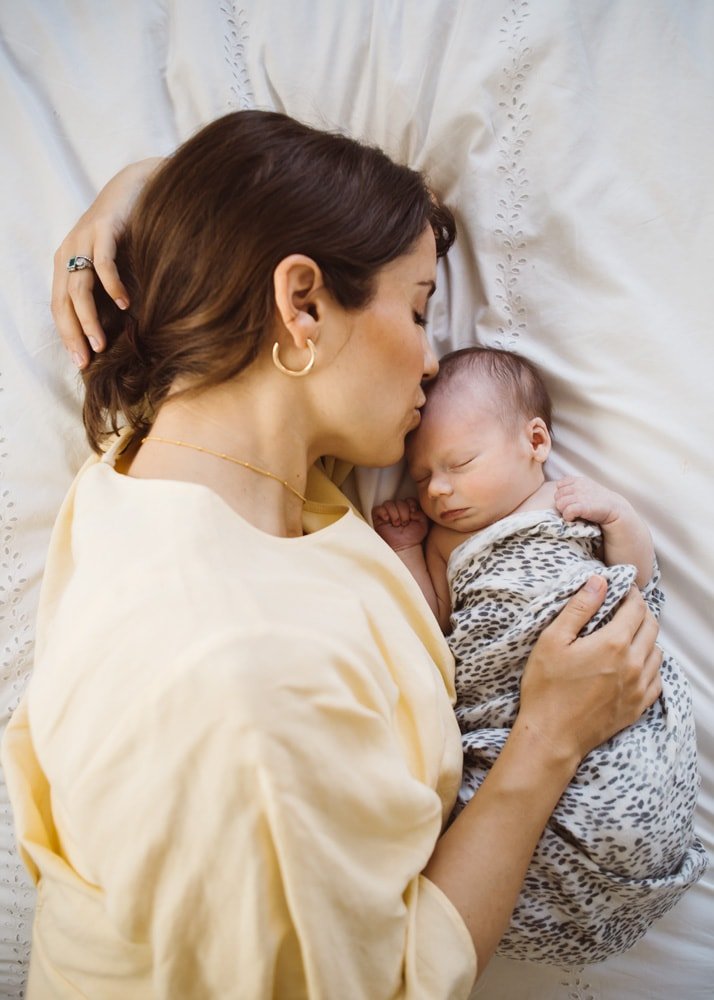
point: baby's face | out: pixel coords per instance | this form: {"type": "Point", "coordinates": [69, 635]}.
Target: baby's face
{"type": "Point", "coordinates": [470, 467]}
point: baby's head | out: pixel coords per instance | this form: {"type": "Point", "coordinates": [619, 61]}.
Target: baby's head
{"type": "Point", "coordinates": [478, 453]}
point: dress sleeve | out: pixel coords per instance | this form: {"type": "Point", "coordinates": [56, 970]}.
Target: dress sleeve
{"type": "Point", "coordinates": [280, 836]}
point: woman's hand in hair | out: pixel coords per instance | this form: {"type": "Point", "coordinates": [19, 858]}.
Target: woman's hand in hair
{"type": "Point", "coordinates": [94, 236]}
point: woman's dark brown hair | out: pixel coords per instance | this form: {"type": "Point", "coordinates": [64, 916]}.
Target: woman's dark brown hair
{"type": "Point", "coordinates": [200, 248]}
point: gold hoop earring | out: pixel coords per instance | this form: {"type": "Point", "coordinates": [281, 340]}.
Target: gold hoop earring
{"type": "Point", "coordinates": [288, 371]}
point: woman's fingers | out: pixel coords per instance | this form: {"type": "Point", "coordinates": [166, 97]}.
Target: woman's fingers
{"type": "Point", "coordinates": [95, 236]}
{"type": "Point", "coordinates": [635, 618]}
{"type": "Point", "coordinates": [81, 293]}
{"type": "Point", "coordinates": [73, 338]}
{"type": "Point", "coordinates": [579, 609]}
{"type": "Point", "coordinates": [646, 632]}
{"type": "Point", "coordinates": [69, 288]}
{"type": "Point", "coordinates": [646, 658]}
{"type": "Point", "coordinates": [105, 249]}
{"type": "Point", "coordinates": [69, 326]}
{"type": "Point", "coordinates": [73, 305]}
{"type": "Point", "coordinates": [580, 690]}
{"type": "Point", "coordinates": [652, 671]}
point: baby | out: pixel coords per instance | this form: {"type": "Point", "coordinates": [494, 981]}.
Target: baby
{"type": "Point", "coordinates": [505, 550]}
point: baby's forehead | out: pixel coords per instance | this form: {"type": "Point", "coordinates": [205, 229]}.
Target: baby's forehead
{"type": "Point", "coordinates": [449, 420]}
{"type": "Point", "coordinates": [472, 399]}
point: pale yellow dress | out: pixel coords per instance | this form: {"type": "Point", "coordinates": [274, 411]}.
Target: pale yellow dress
{"type": "Point", "coordinates": [234, 757]}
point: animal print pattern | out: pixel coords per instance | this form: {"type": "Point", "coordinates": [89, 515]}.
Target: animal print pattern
{"type": "Point", "coordinates": [619, 849]}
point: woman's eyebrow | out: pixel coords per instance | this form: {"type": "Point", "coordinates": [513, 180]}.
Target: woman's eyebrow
{"type": "Point", "coordinates": [431, 285]}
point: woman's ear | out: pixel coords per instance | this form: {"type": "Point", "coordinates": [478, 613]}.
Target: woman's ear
{"type": "Point", "coordinates": [539, 439]}
{"type": "Point", "coordinates": [297, 280]}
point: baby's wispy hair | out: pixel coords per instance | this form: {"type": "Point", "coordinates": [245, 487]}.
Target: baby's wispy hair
{"type": "Point", "coordinates": [521, 390]}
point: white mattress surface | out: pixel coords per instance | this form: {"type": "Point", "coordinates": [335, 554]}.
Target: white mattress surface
{"type": "Point", "coordinates": [574, 142]}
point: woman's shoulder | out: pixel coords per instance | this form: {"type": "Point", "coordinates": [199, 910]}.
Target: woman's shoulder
{"type": "Point", "coordinates": [185, 607]}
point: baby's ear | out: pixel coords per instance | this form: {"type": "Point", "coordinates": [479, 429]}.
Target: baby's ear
{"type": "Point", "coordinates": [539, 439]}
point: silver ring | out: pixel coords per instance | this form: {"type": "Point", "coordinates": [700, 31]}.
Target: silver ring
{"type": "Point", "coordinates": [79, 263]}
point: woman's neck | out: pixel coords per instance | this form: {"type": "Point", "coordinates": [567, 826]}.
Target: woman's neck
{"type": "Point", "coordinates": [248, 428]}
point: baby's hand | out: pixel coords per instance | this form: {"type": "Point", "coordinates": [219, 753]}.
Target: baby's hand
{"type": "Point", "coordinates": [401, 523]}
{"type": "Point", "coordinates": [578, 496]}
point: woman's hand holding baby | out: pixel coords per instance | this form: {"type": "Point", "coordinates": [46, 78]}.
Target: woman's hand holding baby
{"type": "Point", "coordinates": [578, 691]}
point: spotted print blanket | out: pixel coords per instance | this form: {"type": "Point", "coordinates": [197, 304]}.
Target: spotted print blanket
{"type": "Point", "coordinates": [619, 849]}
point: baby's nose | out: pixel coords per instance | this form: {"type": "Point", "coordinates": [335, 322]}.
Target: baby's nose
{"type": "Point", "coordinates": [439, 486]}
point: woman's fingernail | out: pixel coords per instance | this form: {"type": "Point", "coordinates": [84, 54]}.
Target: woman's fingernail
{"type": "Point", "coordinates": [78, 359]}
{"type": "Point", "coordinates": [594, 584]}
{"type": "Point", "coordinates": [122, 303]}
{"type": "Point", "coordinates": [95, 343]}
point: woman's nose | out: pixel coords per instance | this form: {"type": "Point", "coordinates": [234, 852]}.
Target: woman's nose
{"type": "Point", "coordinates": [431, 364]}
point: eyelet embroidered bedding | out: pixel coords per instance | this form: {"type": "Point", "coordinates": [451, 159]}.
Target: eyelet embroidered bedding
{"type": "Point", "coordinates": [574, 143]}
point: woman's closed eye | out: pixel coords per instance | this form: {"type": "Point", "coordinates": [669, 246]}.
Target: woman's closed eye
{"type": "Point", "coordinates": [420, 319]}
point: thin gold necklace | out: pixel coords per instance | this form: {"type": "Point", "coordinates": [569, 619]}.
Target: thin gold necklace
{"type": "Point", "coordinates": [227, 458]}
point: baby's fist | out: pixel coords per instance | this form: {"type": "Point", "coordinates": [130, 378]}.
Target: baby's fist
{"type": "Point", "coordinates": [578, 496]}
{"type": "Point", "coordinates": [401, 523]}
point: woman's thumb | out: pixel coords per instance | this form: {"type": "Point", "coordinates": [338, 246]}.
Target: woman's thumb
{"type": "Point", "coordinates": [581, 607]}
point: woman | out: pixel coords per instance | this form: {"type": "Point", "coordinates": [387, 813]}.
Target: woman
{"type": "Point", "coordinates": [236, 757]}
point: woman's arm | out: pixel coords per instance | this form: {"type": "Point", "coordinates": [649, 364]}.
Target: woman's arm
{"type": "Point", "coordinates": [626, 538]}
{"type": "Point", "coordinates": [576, 693]}
{"type": "Point", "coordinates": [95, 236]}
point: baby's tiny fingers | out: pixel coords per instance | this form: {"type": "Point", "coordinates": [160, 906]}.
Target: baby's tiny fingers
{"type": "Point", "coordinates": [379, 515]}
{"type": "Point", "coordinates": [404, 510]}
{"type": "Point", "coordinates": [392, 513]}
{"type": "Point", "coordinates": [569, 511]}
{"type": "Point", "coordinates": [565, 489]}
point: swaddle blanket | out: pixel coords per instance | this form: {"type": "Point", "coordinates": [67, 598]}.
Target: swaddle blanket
{"type": "Point", "coordinates": [619, 849]}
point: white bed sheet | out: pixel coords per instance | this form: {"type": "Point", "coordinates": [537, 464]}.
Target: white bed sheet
{"type": "Point", "coordinates": [574, 142]}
